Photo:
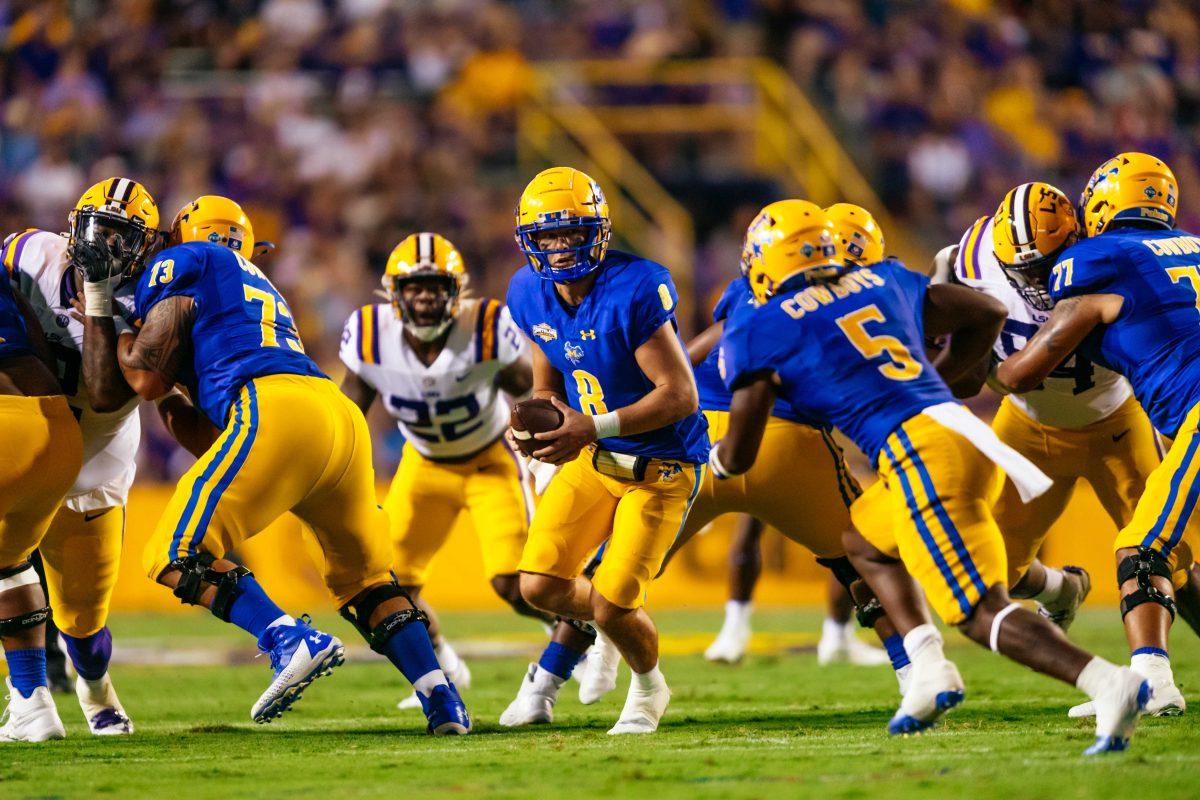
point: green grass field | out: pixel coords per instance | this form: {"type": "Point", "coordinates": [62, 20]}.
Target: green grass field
{"type": "Point", "coordinates": [776, 726]}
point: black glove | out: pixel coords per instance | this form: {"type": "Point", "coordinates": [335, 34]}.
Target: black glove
{"type": "Point", "coordinates": [95, 261]}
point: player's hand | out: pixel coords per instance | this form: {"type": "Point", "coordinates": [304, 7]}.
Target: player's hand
{"type": "Point", "coordinates": [95, 261]}
{"type": "Point", "coordinates": [564, 442]}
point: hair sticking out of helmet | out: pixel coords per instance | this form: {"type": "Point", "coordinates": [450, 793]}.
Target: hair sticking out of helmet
{"type": "Point", "coordinates": [424, 280]}
{"type": "Point", "coordinates": [563, 225]}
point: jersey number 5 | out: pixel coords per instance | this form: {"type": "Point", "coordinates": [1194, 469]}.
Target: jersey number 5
{"type": "Point", "coordinates": [901, 366]}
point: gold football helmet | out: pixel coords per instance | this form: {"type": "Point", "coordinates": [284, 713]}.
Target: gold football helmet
{"type": "Point", "coordinates": [1131, 187]}
{"type": "Point", "coordinates": [116, 220]}
{"type": "Point", "coordinates": [787, 238]}
{"type": "Point", "coordinates": [217, 219]}
{"type": "Point", "coordinates": [858, 237]}
{"type": "Point", "coordinates": [427, 258]}
{"type": "Point", "coordinates": [1033, 225]}
{"type": "Point", "coordinates": [563, 198]}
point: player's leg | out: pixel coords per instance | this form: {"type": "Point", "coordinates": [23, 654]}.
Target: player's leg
{"type": "Point", "coordinates": [1062, 455]}
{"type": "Point", "coordinates": [648, 518]}
{"type": "Point", "coordinates": [42, 455]}
{"type": "Point", "coordinates": [56, 660]}
{"type": "Point", "coordinates": [573, 518]}
{"type": "Point", "coordinates": [955, 551]}
{"type": "Point", "coordinates": [745, 566]}
{"type": "Point", "coordinates": [253, 472]}
{"type": "Point", "coordinates": [422, 505]}
{"type": "Point", "coordinates": [347, 523]}
{"type": "Point", "coordinates": [82, 553]}
{"type": "Point", "coordinates": [1187, 599]}
{"type": "Point", "coordinates": [1156, 544]}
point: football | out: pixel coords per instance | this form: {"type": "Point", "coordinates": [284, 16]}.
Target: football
{"type": "Point", "coordinates": [530, 417]}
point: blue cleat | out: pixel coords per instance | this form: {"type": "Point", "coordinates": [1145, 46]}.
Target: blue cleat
{"type": "Point", "coordinates": [446, 712]}
{"type": "Point", "coordinates": [1117, 712]}
{"type": "Point", "coordinates": [299, 655]}
{"type": "Point", "coordinates": [903, 724]}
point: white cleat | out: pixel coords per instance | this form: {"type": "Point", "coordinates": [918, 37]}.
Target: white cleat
{"type": "Point", "coordinates": [1165, 701]}
{"type": "Point", "coordinates": [934, 688]}
{"type": "Point", "coordinates": [101, 708]}
{"type": "Point", "coordinates": [1077, 585]}
{"type": "Point", "coordinates": [849, 649]}
{"type": "Point", "coordinates": [457, 672]}
{"type": "Point", "coordinates": [534, 703]}
{"type": "Point", "coordinates": [600, 673]}
{"type": "Point", "coordinates": [30, 719]}
{"type": "Point", "coordinates": [730, 645]}
{"type": "Point", "coordinates": [300, 656]}
{"type": "Point", "coordinates": [643, 709]}
{"type": "Point", "coordinates": [1117, 710]}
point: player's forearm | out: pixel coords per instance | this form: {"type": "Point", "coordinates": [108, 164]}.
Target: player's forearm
{"type": "Point", "coordinates": [700, 346]}
{"type": "Point", "coordinates": [150, 383]}
{"type": "Point", "coordinates": [1067, 327]}
{"type": "Point", "coordinates": [186, 424]}
{"type": "Point", "coordinates": [107, 388]}
{"type": "Point", "coordinates": [662, 406]}
{"type": "Point", "coordinates": [969, 349]}
{"type": "Point", "coordinates": [749, 410]}
{"type": "Point", "coordinates": [361, 393]}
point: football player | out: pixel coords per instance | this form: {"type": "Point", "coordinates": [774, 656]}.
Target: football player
{"type": "Point", "coordinates": [791, 442]}
{"type": "Point", "coordinates": [113, 229]}
{"type": "Point", "coordinates": [844, 344]}
{"type": "Point", "coordinates": [438, 362]}
{"type": "Point", "coordinates": [212, 320]}
{"type": "Point", "coordinates": [632, 443]}
{"type": "Point", "coordinates": [43, 451]}
{"type": "Point", "coordinates": [1128, 296]}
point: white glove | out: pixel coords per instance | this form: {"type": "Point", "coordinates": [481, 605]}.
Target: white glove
{"type": "Point", "coordinates": [943, 265]}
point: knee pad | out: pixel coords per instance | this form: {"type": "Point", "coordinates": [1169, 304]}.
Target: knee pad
{"type": "Point", "coordinates": [1147, 563]}
{"type": "Point", "coordinates": [359, 614]}
{"type": "Point", "coordinates": [16, 578]}
{"type": "Point", "coordinates": [867, 613]}
{"type": "Point", "coordinates": [196, 572]}
{"type": "Point", "coordinates": [585, 628]}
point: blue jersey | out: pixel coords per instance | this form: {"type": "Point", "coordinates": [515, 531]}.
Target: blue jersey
{"type": "Point", "coordinates": [849, 353]}
{"type": "Point", "coordinates": [1155, 341]}
{"type": "Point", "coordinates": [242, 327]}
{"type": "Point", "coordinates": [714, 395]}
{"type": "Point", "coordinates": [14, 339]}
{"type": "Point", "coordinates": [593, 346]}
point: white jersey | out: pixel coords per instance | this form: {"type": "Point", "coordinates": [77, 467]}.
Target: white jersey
{"type": "Point", "coordinates": [452, 407]}
{"type": "Point", "coordinates": [110, 441]}
{"type": "Point", "coordinates": [1078, 392]}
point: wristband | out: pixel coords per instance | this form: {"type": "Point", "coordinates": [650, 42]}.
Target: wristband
{"type": "Point", "coordinates": [714, 463]}
{"type": "Point", "coordinates": [607, 425]}
{"type": "Point", "coordinates": [97, 299]}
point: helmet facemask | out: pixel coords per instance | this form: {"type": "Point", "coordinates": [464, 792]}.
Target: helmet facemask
{"type": "Point", "coordinates": [426, 301]}
{"type": "Point", "coordinates": [587, 241]}
{"type": "Point", "coordinates": [109, 244]}
{"type": "Point", "coordinates": [1031, 280]}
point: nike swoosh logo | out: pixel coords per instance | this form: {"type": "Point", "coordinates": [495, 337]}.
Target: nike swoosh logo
{"type": "Point", "coordinates": [1119, 436]}
{"type": "Point", "coordinates": [97, 515]}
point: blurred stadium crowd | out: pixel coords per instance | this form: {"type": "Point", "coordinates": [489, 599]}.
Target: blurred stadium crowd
{"type": "Point", "coordinates": [343, 125]}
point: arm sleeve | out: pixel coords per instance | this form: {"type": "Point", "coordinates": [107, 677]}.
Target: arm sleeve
{"type": "Point", "coordinates": [349, 350]}
{"type": "Point", "coordinates": [176, 272]}
{"type": "Point", "coordinates": [1083, 271]}
{"type": "Point", "coordinates": [652, 304]}
{"type": "Point", "coordinates": [510, 342]}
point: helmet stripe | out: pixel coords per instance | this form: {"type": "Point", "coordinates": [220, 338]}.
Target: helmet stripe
{"type": "Point", "coordinates": [424, 248]}
{"type": "Point", "coordinates": [121, 190]}
{"type": "Point", "coordinates": [1020, 215]}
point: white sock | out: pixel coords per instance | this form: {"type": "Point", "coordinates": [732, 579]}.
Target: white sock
{"type": "Point", "coordinates": [1151, 665]}
{"type": "Point", "coordinates": [1097, 675]}
{"type": "Point", "coordinates": [446, 656]}
{"type": "Point", "coordinates": [1053, 587]}
{"type": "Point", "coordinates": [547, 675]}
{"type": "Point", "coordinates": [737, 613]}
{"type": "Point", "coordinates": [430, 681]}
{"type": "Point", "coordinates": [832, 630]}
{"type": "Point", "coordinates": [924, 644]}
{"type": "Point", "coordinates": [648, 681]}
{"type": "Point", "coordinates": [286, 619]}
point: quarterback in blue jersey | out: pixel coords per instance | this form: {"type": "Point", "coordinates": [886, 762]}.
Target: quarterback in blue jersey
{"type": "Point", "coordinates": [1128, 297]}
{"type": "Point", "coordinates": [844, 344]}
{"type": "Point", "coordinates": [215, 323]}
{"type": "Point", "coordinates": [43, 450]}
{"type": "Point", "coordinates": [632, 445]}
